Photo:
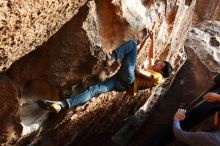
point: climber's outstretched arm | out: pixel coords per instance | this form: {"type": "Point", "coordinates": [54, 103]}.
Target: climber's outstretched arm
{"type": "Point", "coordinates": [150, 54]}
{"type": "Point", "coordinates": [138, 70]}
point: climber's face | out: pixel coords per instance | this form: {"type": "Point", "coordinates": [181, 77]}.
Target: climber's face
{"type": "Point", "coordinates": [158, 66]}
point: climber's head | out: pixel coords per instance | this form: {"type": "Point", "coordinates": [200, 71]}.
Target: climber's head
{"type": "Point", "coordinates": [163, 67]}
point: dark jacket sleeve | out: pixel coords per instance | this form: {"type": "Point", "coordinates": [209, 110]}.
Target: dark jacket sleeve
{"type": "Point", "coordinates": [217, 79]}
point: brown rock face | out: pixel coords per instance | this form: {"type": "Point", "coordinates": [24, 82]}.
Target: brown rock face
{"type": "Point", "coordinates": [206, 10]}
{"type": "Point", "coordinates": [25, 25]}
{"type": "Point", "coordinates": [62, 58]}
{"type": "Point", "coordinates": [10, 127]}
{"type": "Point", "coordinates": [205, 42]}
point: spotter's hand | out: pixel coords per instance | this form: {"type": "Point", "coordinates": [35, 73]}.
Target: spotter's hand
{"type": "Point", "coordinates": [211, 97]}
{"type": "Point", "coordinates": [180, 115]}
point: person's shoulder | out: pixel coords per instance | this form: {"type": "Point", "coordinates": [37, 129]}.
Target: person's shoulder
{"type": "Point", "coordinates": [157, 77]}
{"type": "Point", "coordinates": [154, 73]}
{"type": "Point", "coordinates": [216, 79]}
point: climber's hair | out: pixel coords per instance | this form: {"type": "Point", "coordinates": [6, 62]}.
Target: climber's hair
{"type": "Point", "coordinates": [167, 69]}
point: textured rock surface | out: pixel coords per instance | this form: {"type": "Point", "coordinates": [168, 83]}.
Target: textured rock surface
{"type": "Point", "coordinates": [61, 60]}
{"type": "Point", "coordinates": [205, 42]}
{"type": "Point", "coordinates": [74, 54]}
{"type": "Point", "coordinates": [206, 10]}
{"type": "Point", "coordinates": [9, 104]}
{"type": "Point", "coordinates": [25, 25]}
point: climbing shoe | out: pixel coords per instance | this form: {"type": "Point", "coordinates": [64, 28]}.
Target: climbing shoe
{"type": "Point", "coordinates": [53, 106]}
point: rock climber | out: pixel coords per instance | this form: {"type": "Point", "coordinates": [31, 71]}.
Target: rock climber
{"type": "Point", "coordinates": [129, 77]}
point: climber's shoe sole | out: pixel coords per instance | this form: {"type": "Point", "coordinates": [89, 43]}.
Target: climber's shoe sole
{"type": "Point", "coordinates": [52, 106]}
